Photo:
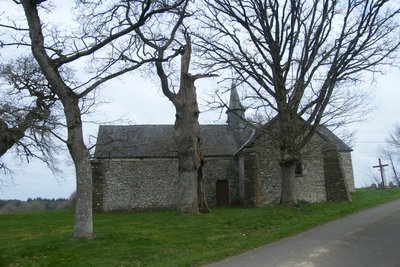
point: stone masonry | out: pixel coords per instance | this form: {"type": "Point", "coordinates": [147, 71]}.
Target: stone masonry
{"type": "Point", "coordinates": [136, 168]}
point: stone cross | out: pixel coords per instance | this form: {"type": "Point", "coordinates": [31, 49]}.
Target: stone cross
{"type": "Point", "coordinates": [381, 166]}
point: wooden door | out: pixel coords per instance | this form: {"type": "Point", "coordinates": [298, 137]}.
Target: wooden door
{"type": "Point", "coordinates": [222, 193]}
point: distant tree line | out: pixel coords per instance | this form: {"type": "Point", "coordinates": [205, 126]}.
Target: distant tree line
{"type": "Point", "coordinates": [36, 204]}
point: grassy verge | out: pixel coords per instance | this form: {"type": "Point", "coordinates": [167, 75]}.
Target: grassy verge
{"type": "Point", "coordinates": [163, 238]}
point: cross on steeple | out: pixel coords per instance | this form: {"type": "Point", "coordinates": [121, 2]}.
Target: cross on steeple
{"type": "Point", "coordinates": [381, 166]}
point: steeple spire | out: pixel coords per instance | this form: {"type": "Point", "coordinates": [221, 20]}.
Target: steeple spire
{"type": "Point", "coordinates": [236, 111]}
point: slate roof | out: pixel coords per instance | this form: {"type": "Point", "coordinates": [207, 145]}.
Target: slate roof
{"type": "Point", "coordinates": [157, 141]}
{"type": "Point", "coordinates": [330, 137]}
{"type": "Point", "coordinates": [321, 131]}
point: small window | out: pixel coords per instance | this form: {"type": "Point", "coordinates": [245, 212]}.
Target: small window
{"type": "Point", "coordinates": [299, 169]}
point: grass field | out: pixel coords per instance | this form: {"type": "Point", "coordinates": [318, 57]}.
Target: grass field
{"type": "Point", "coordinates": [163, 238]}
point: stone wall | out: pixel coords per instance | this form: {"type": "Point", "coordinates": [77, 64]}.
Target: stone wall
{"type": "Point", "coordinates": [135, 184]}
{"type": "Point", "coordinates": [270, 176]}
{"type": "Point", "coordinates": [335, 180]}
{"type": "Point", "coordinates": [347, 164]}
{"type": "Point", "coordinates": [310, 186]}
{"type": "Point", "coordinates": [98, 184]}
{"type": "Point", "coordinates": [250, 186]}
{"type": "Point", "coordinates": [254, 178]}
{"type": "Point", "coordinates": [145, 184]}
{"type": "Point", "coordinates": [221, 168]}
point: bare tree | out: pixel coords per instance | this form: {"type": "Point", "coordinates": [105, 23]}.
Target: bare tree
{"type": "Point", "coordinates": [190, 194]}
{"type": "Point", "coordinates": [27, 112]}
{"type": "Point", "coordinates": [391, 152]}
{"type": "Point", "coordinates": [102, 37]}
{"type": "Point", "coordinates": [160, 40]}
{"type": "Point", "coordinates": [302, 59]}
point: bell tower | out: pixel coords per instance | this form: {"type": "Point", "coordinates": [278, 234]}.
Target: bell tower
{"type": "Point", "coordinates": [236, 111]}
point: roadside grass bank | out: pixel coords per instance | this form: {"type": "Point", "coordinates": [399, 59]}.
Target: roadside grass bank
{"type": "Point", "coordinates": [164, 238]}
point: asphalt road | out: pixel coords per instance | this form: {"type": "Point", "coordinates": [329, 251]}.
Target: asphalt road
{"type": "Point", "coordinates": [367, 239]}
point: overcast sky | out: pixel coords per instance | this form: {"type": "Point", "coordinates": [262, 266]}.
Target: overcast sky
{"type": "Point", "coordinates": [138, 100]}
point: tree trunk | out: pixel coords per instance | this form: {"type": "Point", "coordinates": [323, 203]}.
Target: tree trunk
{"type": "Point", "coordinates": [203, 206]}
{"type": "Point", "coordinates": [288, 193]}
{"type": "Point", "coordinates": [83, 227]}
{"type": "Point", "coordinates": [190, 195]}
{"type": "Point", "coordinates": [189, 165]}
{"type": "Point", "coordinates": [287, 125]}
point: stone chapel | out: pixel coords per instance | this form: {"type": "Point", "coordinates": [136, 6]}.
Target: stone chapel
{"type": "Point", "coordinates": [135, 167]}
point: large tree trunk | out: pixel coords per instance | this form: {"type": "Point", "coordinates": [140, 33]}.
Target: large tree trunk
{"type": "Point", "coordinates": [190, 196]}
{"type": "Point", "coordinates": [187, 149]}
{"type": "Point", "coordinates": [287, 125]}
{"type": "Point", "coordinates": [288, 193]}
{"type": "Point", "coordinates": [83, 227]}
{"type": "Point", "coordinates": [203, 205]}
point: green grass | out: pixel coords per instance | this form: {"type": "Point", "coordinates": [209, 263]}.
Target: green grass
{"type": "Point", "coordinates": [163, 238]}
